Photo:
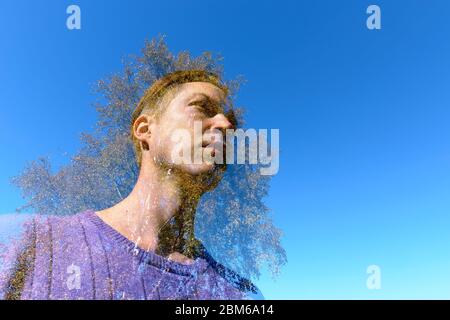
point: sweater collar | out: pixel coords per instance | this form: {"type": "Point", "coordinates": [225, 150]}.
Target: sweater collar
{"type": "Point", "coordinates": [199, 265]}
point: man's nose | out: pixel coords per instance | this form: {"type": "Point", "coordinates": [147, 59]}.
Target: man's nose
{"type": "Point", "coordinates": [219, 122]}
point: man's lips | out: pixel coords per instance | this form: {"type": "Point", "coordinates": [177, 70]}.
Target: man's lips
{"type": "Point", "coordinates": [209, 143]}
{"type": "Point", "coordinates": [215, 146]}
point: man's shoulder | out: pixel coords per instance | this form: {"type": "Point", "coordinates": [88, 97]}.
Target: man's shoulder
{"type": "Point", "coordinates": [19, 230]}
{"type": "Point", "coordinates": [60, 221]}
{"type": "Point", "coordinates": [65, 229]}
{"type": "Point", "coordinates": [43, 230]}
{"type": "Point", "coordinates": [247, 288]}
{"type": "Point", "coordinates": [225, 275]}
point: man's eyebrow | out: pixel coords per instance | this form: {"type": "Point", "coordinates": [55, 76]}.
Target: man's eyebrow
{"type": "Point", "coordinates": [199, 95]}
{"type": "Point", "coordinates": [211, 101]}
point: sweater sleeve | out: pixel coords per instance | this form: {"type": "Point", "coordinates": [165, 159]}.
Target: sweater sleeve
{"type": "Point", "coordinates": [15, 243]}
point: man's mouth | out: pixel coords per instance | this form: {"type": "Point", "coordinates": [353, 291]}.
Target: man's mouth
{"type": "Point", "coordinates": [215, 146]}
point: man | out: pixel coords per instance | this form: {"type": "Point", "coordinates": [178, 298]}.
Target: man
{"type": "Point", "coordinates": [144, 246]}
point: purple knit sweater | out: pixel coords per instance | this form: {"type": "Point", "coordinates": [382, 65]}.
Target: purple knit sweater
{"type": "Point", "coordinates": [82, 257]}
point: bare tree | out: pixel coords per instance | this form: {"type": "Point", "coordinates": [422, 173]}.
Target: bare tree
{"type": "Point", "coordinates": [232, 221]}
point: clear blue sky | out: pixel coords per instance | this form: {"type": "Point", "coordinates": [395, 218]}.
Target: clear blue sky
{"type": "Point", "coordinates": [363, 116]}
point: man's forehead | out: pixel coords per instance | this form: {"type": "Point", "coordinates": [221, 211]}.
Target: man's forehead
{"type": "Point", "coordinates": [194, 89]}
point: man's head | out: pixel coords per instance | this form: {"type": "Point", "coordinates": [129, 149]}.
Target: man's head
{"type": "Point", "coordinates": [176, 102]}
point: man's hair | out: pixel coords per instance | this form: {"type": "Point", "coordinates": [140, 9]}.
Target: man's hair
{"type": "Point", "coordinates": [151, 100]}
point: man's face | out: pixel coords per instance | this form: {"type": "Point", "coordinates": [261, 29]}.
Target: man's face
{"type": "Point", "coordinates": [197, 107]}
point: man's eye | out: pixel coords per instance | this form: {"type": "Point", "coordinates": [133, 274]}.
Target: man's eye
{"type": "Point", "coordinates": [197, 104]}
{"type": "Point", "coordinates": [205, 107]}
{"type": "Point", "coordinates": [201, 106]}
{"type": "Point", "coordinates": [200, 109]}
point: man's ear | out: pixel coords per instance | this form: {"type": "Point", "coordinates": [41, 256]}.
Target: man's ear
{"type": "Point", "coordinates": [142, 128]}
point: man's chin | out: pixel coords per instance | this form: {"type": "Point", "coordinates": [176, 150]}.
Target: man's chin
{"type": "Point", "coordinates": [200, 169]}
{"type": "Point", "coordinates": [206, 175]}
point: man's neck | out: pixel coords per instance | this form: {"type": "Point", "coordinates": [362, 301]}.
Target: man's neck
{"type": "Point", "coordinates": [156, 198]}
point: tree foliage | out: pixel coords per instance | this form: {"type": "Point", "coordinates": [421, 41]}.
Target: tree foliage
{"type": "Point", "coordinates": [232, 221]}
